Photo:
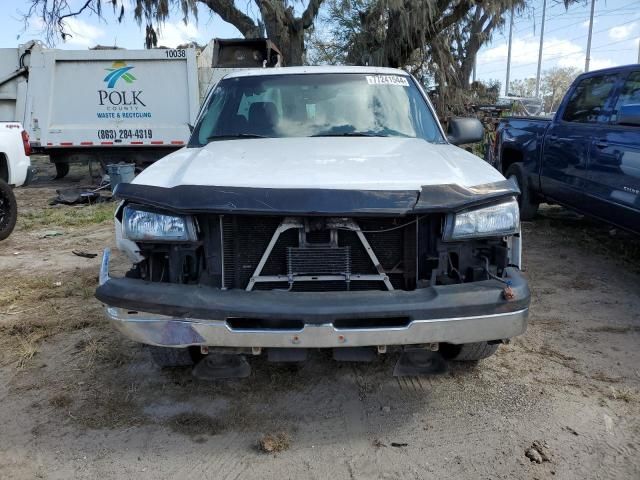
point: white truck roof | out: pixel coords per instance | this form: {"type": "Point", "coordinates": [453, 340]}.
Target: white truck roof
{"type": "Point", "coordinates": [254, 72]}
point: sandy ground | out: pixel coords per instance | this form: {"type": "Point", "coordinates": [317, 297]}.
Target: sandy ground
{"type": "Point", "coordinates": [79, 401]}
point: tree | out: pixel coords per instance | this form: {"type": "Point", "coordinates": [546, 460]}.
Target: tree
{"type": "Point", "coordinates": [436, 40]}
{"type": "Point", "coordinates": [525, 87]}
{"type": "Point", "coordinates": [555, 83]}
{"type": "Point", "coordinates": [389, 32]}
{"type": "Point", "coordinates": [276, 18]}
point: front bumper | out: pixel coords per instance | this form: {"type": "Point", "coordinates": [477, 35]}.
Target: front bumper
{"type": "Point", "coordinates": [184, 315]}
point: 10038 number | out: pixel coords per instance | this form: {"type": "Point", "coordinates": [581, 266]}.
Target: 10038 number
{"type": "Point", "coordinates": [126, 134]}
{"type": "Point", "coordinates": [176, 53]}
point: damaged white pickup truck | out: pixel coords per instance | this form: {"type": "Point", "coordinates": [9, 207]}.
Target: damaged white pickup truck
{"type": "Point", "coordinates": [319, 207]}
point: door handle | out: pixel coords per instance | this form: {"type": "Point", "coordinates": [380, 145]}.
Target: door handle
{"type": "Point", "coordinates": [600, 144]}
{"type": "Point", "coordinates": [552, 137]}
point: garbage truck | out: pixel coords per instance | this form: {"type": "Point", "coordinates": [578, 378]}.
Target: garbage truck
{"type": "Point", "coordinates": [112, 105]}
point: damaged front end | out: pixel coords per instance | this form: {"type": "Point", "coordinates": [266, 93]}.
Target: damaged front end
{"type": "Point", "coordinates": [280, 269]}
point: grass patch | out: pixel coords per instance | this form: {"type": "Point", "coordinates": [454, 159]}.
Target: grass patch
{"type": "Point", "coordinates": [103, 349]}
{"type": "Point", "coordinates": [25, 350]}
{"type": "Point", "coordinates": [67, 216]}
{"type": "Point", "coordinates": [274, 443]}
{"type": "Point", "coordinates": [35, 308]}
{"type": "Point", "coordinates": [25, 292]}
{"type": "Point", "coordinates": [60, 400]}
{"type": "Point", "coordinates": [193, 423]}
{"type": "Point", "coordinates": [624, 395]}
{"type": "Point", "coordinates": [111, 409]}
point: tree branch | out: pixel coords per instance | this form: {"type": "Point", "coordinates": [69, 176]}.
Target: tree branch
{"type": "Point", "coordinates": [231, 14]}
{"type": "Point", "coordinates": [310, 13]}
{"type": "Point", "coordinates": [74, 14]}
{"type": "Point", "coordinates": [459, 11]}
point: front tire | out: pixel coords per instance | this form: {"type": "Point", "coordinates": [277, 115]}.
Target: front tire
{"type": "Point", "coordinates": [468, 352]}
{"type": "Point", "coordinates": [62, 169]}
{"type": "Point", "coordinates": [526, 201]}
{"type": "Point", "coordinates": [8, 210]}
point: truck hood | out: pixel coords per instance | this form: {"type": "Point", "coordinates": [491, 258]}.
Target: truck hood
{"type": "Point", "coordinates": [378, 163]}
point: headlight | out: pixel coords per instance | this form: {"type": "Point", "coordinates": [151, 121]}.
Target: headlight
{"type": "Point", "coordinates": [494, 221]}
{"type": "Point", "coordinates": [140, 225]}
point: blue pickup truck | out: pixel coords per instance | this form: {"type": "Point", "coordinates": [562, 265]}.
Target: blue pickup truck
{"type": "Point", "coordinates": [587, 157]}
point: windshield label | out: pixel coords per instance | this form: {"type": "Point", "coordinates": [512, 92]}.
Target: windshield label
{"type": "Point", "coordinates": [396, 80]}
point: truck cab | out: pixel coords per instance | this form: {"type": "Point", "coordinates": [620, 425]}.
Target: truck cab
{"type": "Point", "coordinates": [588, 156]}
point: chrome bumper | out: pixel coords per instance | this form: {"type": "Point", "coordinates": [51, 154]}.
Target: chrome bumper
{"type": "Point", "coordinates": [182, 332]}
{"type": "Point", "coordinates": [157, 329]}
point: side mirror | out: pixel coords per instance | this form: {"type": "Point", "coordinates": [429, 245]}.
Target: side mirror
{"type": "Point", "coordinates": [629, 115]}
{"type": "Point", "coordinates": [464, 130]}
{"type": "Point", "coordinates": [190, 127]}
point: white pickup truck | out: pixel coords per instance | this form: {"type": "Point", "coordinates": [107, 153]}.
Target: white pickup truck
{"type": "Point", "coordinates": [319, 207]}
{"type": "Point", "coordinates": [15, 170]}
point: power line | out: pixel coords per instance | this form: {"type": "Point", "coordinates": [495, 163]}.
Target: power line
{"type": "Point", "coordinates": [555, 57]}
{"type": "Point", "coordinates": [568, 54]}
{"type": "Point", "coordinates": [536, 17]}
{"type": "Point", "coordinates": [597, 31]}
{"type": "Point", "coordinates": [622, 11]}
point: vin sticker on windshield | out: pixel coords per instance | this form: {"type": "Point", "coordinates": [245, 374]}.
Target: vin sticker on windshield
{"type": "Point", "coordinates": [387, 80]}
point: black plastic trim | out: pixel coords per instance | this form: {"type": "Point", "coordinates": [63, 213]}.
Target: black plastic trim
{"type": "Point", "coordinates": [193, 301]}
{"type": "Point", "coordinates": [192, 199]}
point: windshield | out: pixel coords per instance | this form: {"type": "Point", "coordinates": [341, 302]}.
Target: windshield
{"type": "Point", "coordinates": [315, 105]}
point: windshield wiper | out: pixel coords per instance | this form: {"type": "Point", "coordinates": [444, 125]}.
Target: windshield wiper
{"type": "Point", "coordinates": [235, 136]}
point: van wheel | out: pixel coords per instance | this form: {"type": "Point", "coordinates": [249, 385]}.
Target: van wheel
{"type": "Point", "coordinates": [165, 357]}
{"type": "Point", "coordinates": [527, 203]}
{"type": "Point", "coordinates": [468, 352]}
{"type": "Point", "coordinates": [62, 168]}
{"type": "Point", "coordinates": [8, 210]}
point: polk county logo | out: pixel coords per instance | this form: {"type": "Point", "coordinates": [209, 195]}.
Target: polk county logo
{"type": "Point", "coordinates": [120, 70]}
{"type": "Point", "coordinates": [120, 98]}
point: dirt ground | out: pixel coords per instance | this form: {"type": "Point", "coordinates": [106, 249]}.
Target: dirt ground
{"type": "Point", "coordinates": [79, 401]}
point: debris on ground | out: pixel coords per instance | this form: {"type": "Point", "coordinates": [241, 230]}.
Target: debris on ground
{"type": "Point", "coordinates": [398, 445]}
{"type": "Point", "coordinates": [80, 253]}
{"type": "Point", "coordinates": [78, 196]}
{"type": "Point", "coordinates": [533, 455]}
{"type": "Point", "coordinates": [571, 430]}
{"type": "Point", "coordinates": [50, 233]}
{"type": "Point", "coordinates": [538, 452]}
{"type": "Point", "coordinates": [273, 443]}
{"type": "Point", "coordinates": [378, 443]}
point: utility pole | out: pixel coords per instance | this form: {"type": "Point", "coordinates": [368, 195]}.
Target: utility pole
{"type": "Point", "coordinates": [638, 50]}
{"type": "Point", "coordinates": [544, 10]}
{"type": "Point", "coordinates": [506, 87]}
{"type": "Point", "coordinates": [586, 62]}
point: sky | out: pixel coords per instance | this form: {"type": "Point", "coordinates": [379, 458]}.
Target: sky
{"type": "Point", "coordinates": [88, 29]}
{"type": "Point", "coordinates": [616, 33]}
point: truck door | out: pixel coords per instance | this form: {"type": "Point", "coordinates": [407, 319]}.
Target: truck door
{"type": "Point", "coordinates": [613, 181]}
{"type": "Point", "coordinates": [567, 142]}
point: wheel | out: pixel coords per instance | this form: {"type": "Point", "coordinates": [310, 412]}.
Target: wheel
{"type": "Point", "coordinates": [8, 210]}
{"type": "Point", "coordinates": [527, 203]}
{"type": "Point", "coordinates": [172, 357]}
{"type": "Point", "coordinates": [62, 168]}
{"type": "Point", "coordinates": [468, 352]}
